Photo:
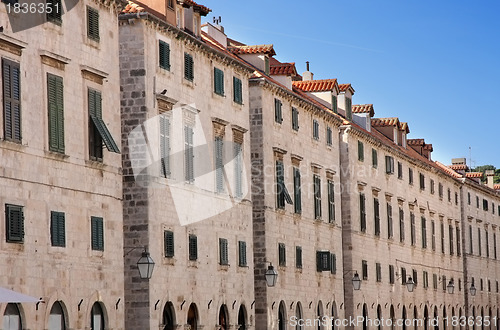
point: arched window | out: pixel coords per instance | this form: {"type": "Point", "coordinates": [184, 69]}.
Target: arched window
{"type": "Point", "coordinates": [57, 320]}
{"type": "Point", "coordinates": [415, 317]}
{"type": "Point", "coordinates": [192, 318]}
{"type": "Point", "coordinates": [97, 317]}
{"type": "Point", "coordinates": [223, 318]}
{"type": "Point", "coordinates": [436, 325]}
{"type": "Point", "coordinates": [12, 318]}
{"type": "Point", "coordinates": [242, 318]}
{"type": "Point", "coordinates": [403, 318]}
{"type": "Point", "coordinates": [298, 314]}
{"type": "Point", "coordinates": [168, 319]}
{"type": "Point", "coordinates": [282, 316]}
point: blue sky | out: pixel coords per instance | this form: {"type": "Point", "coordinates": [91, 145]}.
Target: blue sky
{"type": "Point", "coordinates": [433, 64]}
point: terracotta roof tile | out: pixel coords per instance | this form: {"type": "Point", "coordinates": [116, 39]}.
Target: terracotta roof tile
{"type": "Point", "coordinates": [458, 167]}
{"type": "Point", "coordinates": [383, 122]}
{"type": "Point", "coordinates": [474, 175]}
{"type": "Point", "coordinates": [496, 187]}
{"type": "Point", "coordinates": [214, 44]}
{"type": "Point", "coordinates": [256, 49]}
{"type": "Point", "coordinates": [322, 85]}
{"type": "Point", "coordinates": [429, 147]}
{"type": "Point", "coordinates": [345, 87]}
{"type": "Point", "coordinates": [132, 7]}
{"type": "Point", "coordinates": [448, 170]}
{"type": "Point", "coordinates": [202, 9]}
{"type": "Point", "coordinates": [415, 142]}
{"type": "Point", "coordinates": [283, 69]}
{"type": "Point", "coordinates": [363, 108]}
{"type": "Point", "coordinates": [404, 127]}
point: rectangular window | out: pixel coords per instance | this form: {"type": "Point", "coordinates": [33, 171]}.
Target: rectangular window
{"type": "Point", "coordinates": [450, 234]}
{"type": "Point", "coordinates": [422, 181]}
{"type": "Point", "coordinates": [440, 190]}
{"type": "Point", "coordinates": [242, 253]}
{"type": "Point", "coordinates": [401, 225]}
{"type": "Point", "coordinates": [334, 104]}
{"type": "Point", "coordinates": [403, 275]}
{"type": "Point", "coordinates": [444, 283]}
{"type": "Point", "coordinates": [11, 78]}
{"type": "Point", "coordinates": [424, 232]}
{"type": "Point", "coordinates": [323, 261]}
{"type": "Point", "coordinates": [457, 231]}
{"type": "Point", "coordinates": [164, 146]}
{"type": "Point", "coordinates": [331, 201]}
{"type": "Point", "coordinates": [486, 239]}
{"type": "Point", "coordinates": [54, 14]}
{"type": "Point", "coordinates": [481, 284]}
{"type": "Point", "coordinates": [188, 154]}
{"type": "Point", "coordinates": [485, 205]}
{"type": "Point", "coordinates": [494, 244]}
{"type": "Point", "coordinates": [434, 281]}
{"type": "Point", "coordinates": [237, 91]}
{"type": "Point", "coordinates": [281, 191]}
{"type": "Point", "coordinates": [298, 257]}
{"type": "Point", "coordinates": [425, 276]}
{"type": "Point", "coordinates": [433, 235]}
{"type": "Point", "coordinates": [389, 165]}
{"type": "Point", "coordinates": [498, 210]}
{"type": "Point", "coordinates": [281, 254]}
{"type": "Point", "coordinates": [432, 187]}
{"type": "Point", "coordinates": [479, 241]}
{"type": "Point", "coordinates": [218, 81]}
{"type": "Point", "coordinates": [329, 136]}
{"type": "Point", "coordinates": [93, 23]}
{"type": "Point", "coordinates": [412, 228]}
{"type": "Point", "coordinates": [223, 253]}
{"type": "Point", "coordinates": [400, 170]}
{"type": "Point", "coordinates": [442, 239]}
{"type": "Point", "coordinates": [361, 151]}
{"type": "Point", "coordinates": [333, 263]}
{"type": "Point", "coordinates": [471, 246]}
{"type": "Point", "coordinates": [364, 270]}
{"type": "Point", "coordinates": [193, 247]}
{"type": "Point", "coordinates": [98, 131]}
{"type": "Point", "coordinates": [168, 242]}
{"type": "Point", "coordinates": [188, 67]}
{"type": "Point", "coordinates": [449, 195]}
{"type": "Point", "coordinates": [374, 158]}
{"type": "Point", "coordinates": [315, 129]}
{"type": "Point", "coordinates": [238, 170]}
{"type": "Point", "coordinates": [57, 229]}
{"type": "Point", "coordinates": [14, 215]}
{"type": "Point", "coordinates": [415, 276]}
{"type": "Point", "coordinates": [97, 233]}
{"type": "Point", "coordinates": [477, 201]}
{"type": "Point", "coordinates": [376, 215]}
{"type": "Point", "coordinates": [468, 198]}
{"type": "Point", "coordinates": [456, 198]}
{"type": "Point", "coordinates": [317, 197]}
{"type": "Point", "coordinates": [278, 114]}
{"type": "Point", "coordinates": [164, 55]}
{"type": "Point", "coordinates": [390, 232]}
{"type": "Point", "coordinates": [378, 272]}
{"type": "Point", "coordinates": [410, 175]}
{"type": "Point", "coordinates": [295, 119]}
{"type": "Point", "coordinates": [297, 195]}
{"type": "Point", "coordinates": [56, 113]}
{"type": "Point", "coordinates": [391, 274]}
{"type": "Point", "coordinates": [348, 110]}
{"type": "Point", "coordinates": [362, 212]}
{"type": "Point", "coordinates": [219, 164]}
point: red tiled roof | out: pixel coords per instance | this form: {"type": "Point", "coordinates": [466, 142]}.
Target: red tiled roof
{"type": "Point", "coordinates": [474, 175]}
{"type": "Point", "coordinates": [383, 122]}
{"type": "Point", "coordinates": [448, 170]}
{"type": "Point", "coordinates": [283, 69]}
{"type": "Point", "coordinates": [496, 186]}
{"type": "Point", "coordinates": [214, 44]}
{"type": "Point", "coordinates": [202, 9]}
{"type": "Point", "coordinates": [363, 108]}
{"type": "Point", "coordinates": [322, 85]}
{"type": "Point", "coordinates": [404, 127]}
{"type": "Point", "coordinates": [415, 142]}
{"type": "Point", "coordinates": [429, 147]}
{"type": "Point", "coordinates": [458, 167]}
{"type": "Point", "coordinates": [345, 87]}
{"type": "Point", "coordinates": [256, 49]}
{"type": "Point", "coordinates": [132, 7]}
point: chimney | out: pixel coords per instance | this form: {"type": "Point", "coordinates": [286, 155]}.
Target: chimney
{"type": "Point", "coordinates": [490, 176]}
{"type": "Point", "coordinates": [458, 161]}
{"type": "Point", "coordinates": [307, 75]}
{"type": "Point", "coordinates": [216, 32]}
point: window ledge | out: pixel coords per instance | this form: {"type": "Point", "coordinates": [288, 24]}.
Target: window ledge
{"type": "Point", "coordinates": [224, 268]}
{"type": "Point", "coordinates": [12, 145]}
{"type": "Point", "coordinates": [189, 83]}
{"type": "Point", "coordinates": [55, 155]}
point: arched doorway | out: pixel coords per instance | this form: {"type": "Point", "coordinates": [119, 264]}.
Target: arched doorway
{"type": "Point", "coordinates": [192, 317]}
{"type": "Point", "coordinates": [12, 317]}
{"type": "Point", "coordinates": [223, 318]}
{"type": "Point", "coordinates": [436, 326]}
{"type": "Point", "coordinates": [168, 318]}
{"type": "Point", "coordinates": [365, 317]}
{"type": "Point", "coordinates": [444, 317]}
{"type": "Point", "coordinates": [335, 315]}
{"type": "Point", "coordinates": [482, 318]}
{"type": "Point", "coordinates": [57, 321]}
{"type": "Point", "coordinates": [415, 317]}
{"type": "Point", "coordinates": [426, 318]}
{"type": "Point", "coordinates": [379, 317]}
{"type": "Point", "coordinates": [97, 317]}
{"type": "Point", "coordinates": [393, 317]}
{"type": "Point", "coordinates": [242, 318]}
{"type": "Point", "coordinates": [298, 314]}
{"type": "Point", "coordinates": [452, 317]}
{"type": "Point", "coordinates": [403, 318]}
{"type": "Point", "coordinates": [282, 316]}
{"type": "Point", "coordinates": [474, 317]}
{"type": "Point", "coordinates": [319, 314]}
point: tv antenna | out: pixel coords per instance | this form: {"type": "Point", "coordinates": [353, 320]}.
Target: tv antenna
{"type": "Point", "coordinates": [217, 20]}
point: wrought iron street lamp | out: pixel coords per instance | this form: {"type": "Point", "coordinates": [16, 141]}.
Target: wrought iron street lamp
{"type": "Point", "coordinates": [271, 276]}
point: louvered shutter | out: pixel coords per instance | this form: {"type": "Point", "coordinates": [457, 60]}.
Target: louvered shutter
{"type": "Point", "coordinates": [56, 113]}
{"type": "Point", "coordinates": [188, 67]}
{"type": "Point", "coordinates": [238, 169]}
{"type": "Point", "coordinates": [219, 164]}
{"type": "Point", "coordinates": [11, 100]}
{"type": "Point", "coordinates": [193, 247]}
{"type": "Point", "coordinates": [223, 253]}
{"type": "Point", "coordinates": [165, 146]}
{"type": "Point", "coordinates": [15, 225]}
{"type": "Point", "coordinates": [333, 266]}
{"type": "Point", "coordinates": [164, 55]}
{"type": "Point", "coordinates": [296, 190]}
{"type": "Point", "coordinates": [280, 195]}
{"type": "Point", "coordinates": [169, 243]}
{"type": "Point", "coordinates": [237, 91]}
{"type": "Point", "coordinates": [242, 253]}
{"type": "Point", "coordinates": [298, 257]}
{"type": "Point", "coordinates": [93, 23]}
{"type": "Point", "coordinates": [58, 229]}
{"type": "Point", "coordinates": [376, 208]}
{"type": "Point", "coordinates": [189, 154]}
{"type": "Point", "coordinates": [97, 233]}
{"type": "Point", "coordinates": [331, 201]}
{"type": "Point", "coordinates": [362, 212]}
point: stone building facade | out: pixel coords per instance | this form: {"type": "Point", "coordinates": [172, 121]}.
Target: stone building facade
{"type": "Point", "coordinates": [60, 167]}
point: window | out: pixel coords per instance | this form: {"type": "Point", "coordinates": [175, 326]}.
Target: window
{"type": "Point", "coordinates": [93, 23]}
{"type": "Point", "coordinates": [494, 244]}
{"type": "Point", "coordinates": [415, 276]}
{"type": "Point", "coordinates": [479, 241]}
{"type": "Point", "coordinates": [348, 108]}
{"type": "Point", "coordinates": [219, 164]}
{"type": "Point", "coordinates": [432, 187]}
{"type": "Point", "coordinates": [329, 136]}
{"type": "Point", "coordinates": [164, 55]}
{"type": "Point", "coordinates": [297, 196]}
{"type": "Point", "coordinates": [450, 234]}
{"type": "Point", "coordinates": [362, 211]}
{"type": "Point", "coordinates": [56, 318]}
{"type": "Point", "coordinates": [477, 201]}
{"type": "Point", "coordinates": [242, 253]}
{"type": "Point", "coordinates": [492, 207]}
{"type": "Point", "coordinates": [456, 198]}
{"type": "Point", "coordinates": [361, 151]}
{"type": "Point", "coordinates": [498, 210]}
{"type": "Point", "coordinates": [97, 233]}
{"type": "Point", "coordinates": [391, 274]}
{"type": "Point", "coordinates": [334, 104]}
{"type": "Point", "coordinates": [364, 270]}
{"type": "Point", "coordinates": [410, 175]}
{"type": "Point", "coordinates": [485, 205]}
{"type": "Point", "coordinates": [400, 170]}
{"type": "Point", "coordinates": [54, 15]}
{"type": "Point", "coordinates": [267, 67]}
{"type": "Point", "coordinates": [281, 191]}
{"type": "Point", "coordinates": [57, 229]}
{"type": "Point", "coordinates": [281, 254]}
{"type": "Point", "coordinates": [188, 154]}
{"type": "Point", "coordinates": [481, 284]}
{"type": "Point", "coordinates": [15, 223]}
{"type": "Point", "coordinates": [378, 272]}
{"type": "Point", "coordinates": [444, 283]}
{"type": "Point", "coordinates": [98, 131]}
{"type": "Point", "coordinates": [486, 238]}
{"type": "Point", "coordinates": [333, 263]}
{"type": "Point", "coordinates": [440, 190]}
{"type": "Point", "coordinates": [56, 113]}
{"type": "Point", "coordinates": [376, 215]}
{"type": "Point", "coordinates": [424, 232]}
{"type": "Point", "coordinates": [468, 198]}
{"type": "Point", "coordinates": [315, 129]}
{"type": "Point", "coordinates": [433, 235]}
{"type": "Point", "coordinates": [412, 229]}
{"type": "Point", "coordinates": [390, 232]}
{"type": "Point", "coordinates": [434, 281]}
{"type": "Point", "coordinates": [442, 238]}
{"type": "Point", "coordinates": [317, 197]}
{"type": "Point", "coordinates": [471, 246]}
{"type": "Point", "coordinates": [403, 275]}
{"type": "Point", "coordinates": [323, 261]}
{"type": "Point", "coordinates": [278, 115]}
{"type": "Point", "coordinates": [449, 195]}
{"type": "Point", "coordinates": [389, 165]}
{"type": "Point", "coordinates": [223, 253]}
{"type": "Point", "coordinates": [218, 81]}
{"type": "Point", "coordinates": [193, 247]}
{"type": "Point", "coordinates": [11, 79]}
{"type": "Point", "coordinates": [12, 317]}
{"type": "Point", "coordinates": [295, 119]}
{"type": "Point", "coordinates": [188, 67]}
{"type": "Point", "coordinates": [422, 181]}
{"type": "Point", "coordinates": [238, 170]}
{"type": "Point", "coordinates": [401, 225]}
{"type": "Point", "coordinates": [164, 146]}
{"type": "Point", "coordinates": [331, 201]}
{"type": "Point", "coordinates": [374, 158]}
{"type": "Point", "coordinates": [457, 231]}
{"type": "Point", "coordinates": [168, 242]}
{"type": "Point", "coordinates": [237, 91]}
{"type": "Point", "coordinates": [298, 257]}
{"type": "Point", "coordinates": [425, 276]}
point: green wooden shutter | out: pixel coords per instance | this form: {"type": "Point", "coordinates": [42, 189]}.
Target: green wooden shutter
{"type": "Point", "coordinates": [334, 104]}
{"type": "Point", "coordinates": [168, 237]}
{"type": "Point", "coordinates": [237, 91]}
{"type": "Point", "coordinates": [281, 254]}
{"type": "Point", "coordinates": [188, 67]}
{"type": "Point", "coordinates": [297, 191]}
{"type": "Point", "coordinates": [57, 229]}
{"type": "Point", "coordinates": [389, 221]}
{"type": "Point", "coordinates": [188, 153]}
{"type": "Point", "coordinates": [56, 113]}
{"type": "Point", "coordinates": [218, 81]}
{"type": "Point", "coordinates": [97, 233]}
{"type": "Point", "coordinates": [223, 253]}
{"type": "Point", "coordinates": [374, 158]}
{"type": "Point", "coordinates": [298, 257]}
{"type": "Point", "coordinates": [277, 111]}
{"type": "Point", "coordinates": [362, 212]}
{"type": "Point", "coordinates": [193, 247]}
{"type": "Point", "coordinates": [361, 151]}
{"type": "Point", "coordinates": [348, 108]}
{"type": "Point", "coordinates": [331, 201]}
{"type": "Point", "coordinates": [238, 170]}
{"type": "Point", "coordinates": [219, 164]}
{"type": "Point", "coordinates": [242, 253]}
{"type": "Point", "coordinates": [333, 266]}
{"type": "Point", "coordinates": [93, 23]}
{"type": "Point", "coordinates": [317, 197]}
{"type": "Point", "coordinates": [319, 267]}
{"type": "Point", "coordinates": [164, 55]}
{"type": "Point", "coordinates": [164, 146]}
{"type": "Point", "coordinates": [15, 223]}
{"type": "Point", "coordinates": [376, 209]}
{"type": "Point", "coordinates": [55, 13]}
{"type": "Point", "coordinates": [280, 194]}
{"type": "Point", "coordinates": [11, 100]}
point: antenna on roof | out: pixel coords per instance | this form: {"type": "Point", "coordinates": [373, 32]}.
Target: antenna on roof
{"type": "Point", "coordinates": [217, 20]}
